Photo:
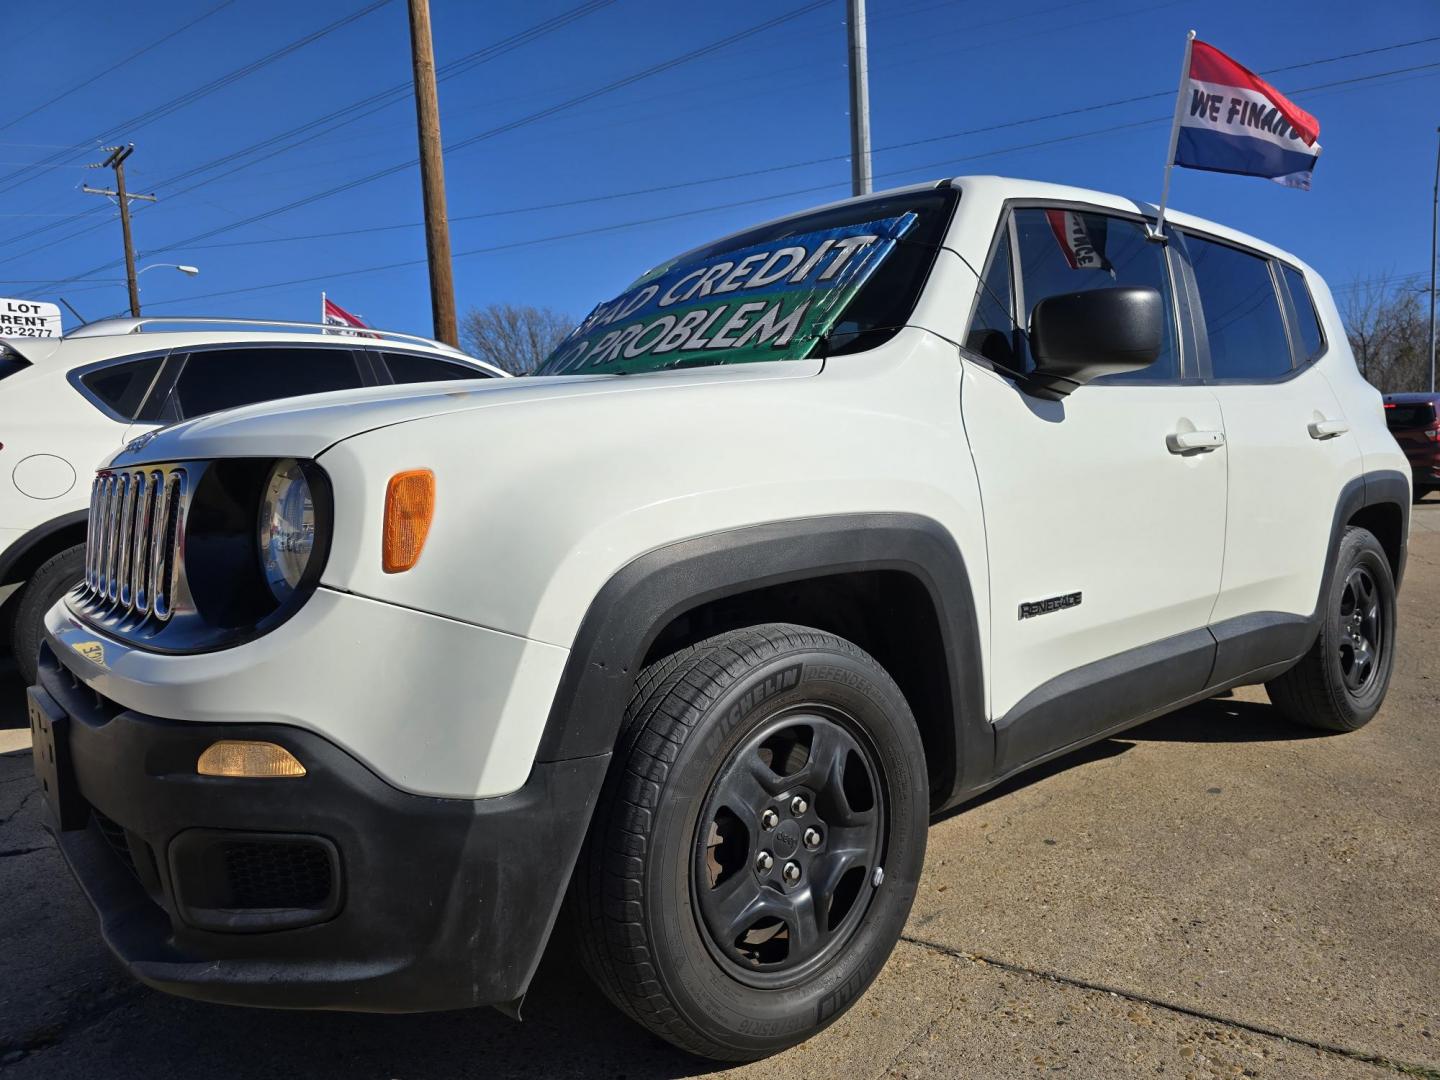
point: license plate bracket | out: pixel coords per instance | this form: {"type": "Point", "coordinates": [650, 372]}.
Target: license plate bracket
{"type": "Point", "coordinates": [50, 747]}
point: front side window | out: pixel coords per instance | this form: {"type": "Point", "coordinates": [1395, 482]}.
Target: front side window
{"type": "Point", "coordinates": [227, 378]}
{"type": "Point", "coordinates": [122, 387]}
{"type": "Point", "coordinates": [1241, 312]}
{"type": "Point", "coordinates": [1067, 250]}
{"type": "Point", "coordinates": [834, 281]}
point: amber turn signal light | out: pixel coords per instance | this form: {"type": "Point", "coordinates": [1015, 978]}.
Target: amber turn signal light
{"type": "Point", "coordinates": [241, 757]}
{"type": "Point", "coordinates": [409, 506]}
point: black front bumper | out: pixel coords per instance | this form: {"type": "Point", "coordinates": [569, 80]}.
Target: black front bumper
{"type": "Point", "coordinates": [332, 891]}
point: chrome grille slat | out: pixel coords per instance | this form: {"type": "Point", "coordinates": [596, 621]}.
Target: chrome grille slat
{"type": "Point", "coordinates": [121, 595]}
{"type": "Point", "coordinates": [140, 551]}
{"type": "Point", "coordinates": [160, 545]}
{"type": "Point", "coordinates": [112, 540]}
{"type": "Point", "coordinates": [133, 552]}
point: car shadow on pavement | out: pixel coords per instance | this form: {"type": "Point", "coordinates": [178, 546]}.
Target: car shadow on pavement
{"type": "Point", "coordinates": [1220, 719]}
{"type": "Point", "coordinates": [1223, 719]}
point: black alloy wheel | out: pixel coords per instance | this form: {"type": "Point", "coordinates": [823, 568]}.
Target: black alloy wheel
{"type": "Point", "coordinates": [1340, 683]}
{"type": "Point", "coordinates": [758, 844]}
{"type": "Point", "coordinates": [1362, 639]}
{"type": "Point", "coordinates": [789, 846]}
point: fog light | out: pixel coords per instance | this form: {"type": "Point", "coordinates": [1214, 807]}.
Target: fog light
{"type": "Point", "coordinates": [239, 757]}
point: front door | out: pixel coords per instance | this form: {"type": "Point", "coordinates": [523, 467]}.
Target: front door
{"type": "Point", "coordinates": [1104, 512]}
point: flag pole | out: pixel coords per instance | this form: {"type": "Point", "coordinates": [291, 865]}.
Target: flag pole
{"type": "Point", "coordinates": [1158, 231]}
{"type": "Point", "coordinates": [322, 311]}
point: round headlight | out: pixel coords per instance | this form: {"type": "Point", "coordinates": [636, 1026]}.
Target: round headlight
{"type": "Point", "coordinates": [287, 527]}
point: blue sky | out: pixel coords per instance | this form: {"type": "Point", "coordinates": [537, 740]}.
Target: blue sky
{"type": "Point", "coordinates": [773, 100]}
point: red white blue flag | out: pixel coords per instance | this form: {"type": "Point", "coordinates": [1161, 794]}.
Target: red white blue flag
{"type": "Point", "coordinates": [1233, 121]}
{"type": "Point", "coordinates": [332, 314]}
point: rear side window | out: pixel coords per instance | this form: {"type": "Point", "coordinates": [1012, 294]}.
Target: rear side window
{"type": "Point", "coordinates": [412, 368]}
{"type": "Point", "coordinates": [1241, 311]}
{"type": "Point", "coordinates": [122, 387]}
{"type": "Point", "coordinates": [1307, 320]}
{"type": "Point", "coordinates": [227, 378]}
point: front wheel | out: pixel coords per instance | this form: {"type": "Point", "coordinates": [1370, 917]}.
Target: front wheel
{"type": "Point", "coordinates": [758, 846]}
{"type": "Point", "coordinates": [54, 578]}
{"type": "Point", "coordinates": [1340, 683]}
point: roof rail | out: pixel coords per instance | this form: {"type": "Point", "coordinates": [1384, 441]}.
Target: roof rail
{"type": "Point", "coordinates": [111, 327]}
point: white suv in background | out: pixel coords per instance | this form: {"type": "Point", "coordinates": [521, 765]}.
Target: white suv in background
{"type": "Point", "coordinates": [807, 535]}
{"type": "Point", "coordinates": [67, 404]}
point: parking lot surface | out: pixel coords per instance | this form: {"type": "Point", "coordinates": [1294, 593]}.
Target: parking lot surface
{"type": "Point", "coordinates": [1215, 893]}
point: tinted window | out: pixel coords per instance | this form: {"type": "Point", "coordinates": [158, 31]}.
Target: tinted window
{"type": "Point", "coordinates": [1407, 416]}
{"type": "Point", "coordinates": [1307, 320]}
{"type": "Point", "coordinates": [411, 367]}
{"type": "Point", "coordinates": [10, 363]}
{"type": "Point", "coordinates": [122, 387]}
{"type": "Point", "coordinates": [224, 378]}
{"type": "Point", "coordinates": [992, 331]}
{"type": "Point", "coordinates": [1242, 312]}
{"type": "Point", "coordinates": [1065, 251]}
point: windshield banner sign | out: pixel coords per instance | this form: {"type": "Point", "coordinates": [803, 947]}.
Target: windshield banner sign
{"type": "Point", "coordinates": [771, 301]}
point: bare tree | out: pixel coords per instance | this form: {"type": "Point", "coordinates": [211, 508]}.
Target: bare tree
{"type": "Point", "coordinates": [1386, 328]}
{"type": "Point", "coordinates": [515, 337]}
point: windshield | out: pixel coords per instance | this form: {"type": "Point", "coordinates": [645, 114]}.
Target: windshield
{"type": "Point", "coordinates": [849, 277]}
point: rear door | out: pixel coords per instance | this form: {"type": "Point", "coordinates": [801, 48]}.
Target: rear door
{"type": "Point", "coordinates": [1291, 450]}
{"type": "Point", "coordinates": [1104, 534]}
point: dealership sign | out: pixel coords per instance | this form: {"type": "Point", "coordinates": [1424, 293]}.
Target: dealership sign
{"type": "Point", "coordinates": [769, 301]}
{"type": "Point", "coordinates": [29, 318]}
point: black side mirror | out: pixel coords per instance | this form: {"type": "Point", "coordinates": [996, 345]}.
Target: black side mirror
{"type": "Point", "coordinates": [1077, 337]}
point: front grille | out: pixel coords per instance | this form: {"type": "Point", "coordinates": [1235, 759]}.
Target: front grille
{"type": "Point", "coordinates": [136, 536]}
{"type": "Point", "coordinates": [277, 875]}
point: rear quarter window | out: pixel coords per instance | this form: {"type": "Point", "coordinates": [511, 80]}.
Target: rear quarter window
{"type": "Point", "coordinates": [1307, 319]}
{"type": "Point", "coordinates": [122, 387]}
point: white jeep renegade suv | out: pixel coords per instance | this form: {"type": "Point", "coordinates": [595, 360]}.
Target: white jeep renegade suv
{"type": "Point", "coordinates": [67, 404]}
{"type": "Point", "coordinates": [809, 534]}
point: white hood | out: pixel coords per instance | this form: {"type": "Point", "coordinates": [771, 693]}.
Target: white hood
{"type": "Point", "coordinates": [305, 427]}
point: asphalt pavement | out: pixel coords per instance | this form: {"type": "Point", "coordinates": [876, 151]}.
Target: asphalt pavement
{"type": "Point", "coordinates": [1214, 894]}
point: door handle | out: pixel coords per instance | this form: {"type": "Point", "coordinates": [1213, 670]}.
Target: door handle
{"type": "Point", "coordinates": [1327, 429]}
{"type": "Point", "coordinates": [1185, 442]}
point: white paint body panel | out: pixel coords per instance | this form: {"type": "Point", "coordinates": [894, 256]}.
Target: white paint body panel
{"type": "Point", "coordinates": [1084, 495]}
{"type": "Point", "coordinates": [433, 705]}
{"type": "Point", "coordinates": [441, 678]}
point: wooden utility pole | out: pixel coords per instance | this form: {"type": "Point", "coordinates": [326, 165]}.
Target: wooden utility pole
{"type": "Point", "coordinates": [116, 161]}
{"type": "Point", "coordinates": [432, 175]}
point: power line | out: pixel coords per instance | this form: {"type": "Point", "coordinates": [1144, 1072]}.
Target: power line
{"type": "Point", "coordinates": [116, 66]}
{"type": "Point", "coordinates": [357, 110]}
{"type": "Point", "coordinates": [192, 241]}
{"type": "Point", "coordinates": [134, 123]}
{"type": "Point", "coordinates": [829, 159]}
{"type": "Point", "coordinates": [511, 125]}
{"type": "Point", "coordinates": [678, 215]}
